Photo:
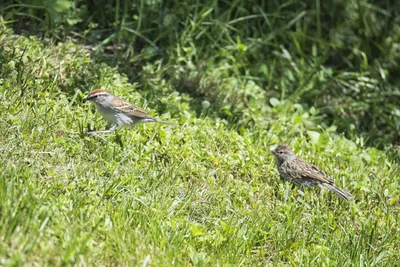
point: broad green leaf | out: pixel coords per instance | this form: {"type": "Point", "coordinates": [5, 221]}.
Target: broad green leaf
{"type": "Point", "coordinates": [274, 102]}
{"type": "Point", "coordinates": [297, 119]}
{"type": "Point", "coordinates": [314, 136]}
{"type": "Point", "coordinates": [197, 230]}
{"type": "Point", "coordinates": [61, 5]}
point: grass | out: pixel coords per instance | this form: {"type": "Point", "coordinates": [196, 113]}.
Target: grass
{"type": "Point", "coordinates": [204, 193]}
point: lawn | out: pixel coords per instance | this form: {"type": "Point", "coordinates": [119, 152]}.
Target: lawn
{"type": "Point", "coordinates": [203, 193]}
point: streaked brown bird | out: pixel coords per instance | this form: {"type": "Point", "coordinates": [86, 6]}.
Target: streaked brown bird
{"type": "Point", "coordinates": [301, 173]}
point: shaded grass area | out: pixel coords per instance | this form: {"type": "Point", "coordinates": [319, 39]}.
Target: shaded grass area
{"type": "Point", "coordinates": [202, 193]}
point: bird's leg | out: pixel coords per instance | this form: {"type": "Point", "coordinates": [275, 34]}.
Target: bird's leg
{"type": "Point", "coordinates": [111, 130]}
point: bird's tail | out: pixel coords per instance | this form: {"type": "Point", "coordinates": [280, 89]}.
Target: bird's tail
{"type": "Point", "coordinates": [166, 122]}
{"type": "Point", "coordinates": [340, 192]}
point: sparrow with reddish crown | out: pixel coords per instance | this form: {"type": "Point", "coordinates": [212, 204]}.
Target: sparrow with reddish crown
{"type": "Point", "coordinates": [301, 173]}
{"type": "Point", "coordinates": [118, 112]}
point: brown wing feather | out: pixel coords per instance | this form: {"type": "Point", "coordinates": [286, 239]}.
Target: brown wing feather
{"type": "Point", "coordinates": [133, 110]}
{"type": "Point", "coordinates": [308, 171]}
{"type": "Point", "coordinates": [330, 180]}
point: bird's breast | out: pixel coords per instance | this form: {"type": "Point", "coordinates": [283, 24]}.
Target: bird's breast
{"type": "Point", "coordinates": [123, 119]}
{"type": "Point", "coordinates": [107, 113]}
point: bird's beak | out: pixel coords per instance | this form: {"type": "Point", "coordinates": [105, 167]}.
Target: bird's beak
{"type": "Point", "coordinates": [88, 98]}
{"type": "Point", "coordinates": [272, 150]}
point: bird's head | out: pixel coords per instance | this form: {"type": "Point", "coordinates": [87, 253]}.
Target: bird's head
{"type": "Point", "coordinates": [98, 96]}
{"type": "Point", "coordinates": [283, 152]}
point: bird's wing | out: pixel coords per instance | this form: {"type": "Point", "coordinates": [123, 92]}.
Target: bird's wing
{"type": "Point", "coordinates": [132, 110]}
{"type": "Point", "coordinates": [303, 170]}
{"type": "Point", "coordinates": [135, 111]}
{"type": "Point", "coordinates": [330, 180]}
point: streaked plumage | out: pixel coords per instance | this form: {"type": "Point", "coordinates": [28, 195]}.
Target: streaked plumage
{"type": "Point", "coordinates": [301, 173]}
